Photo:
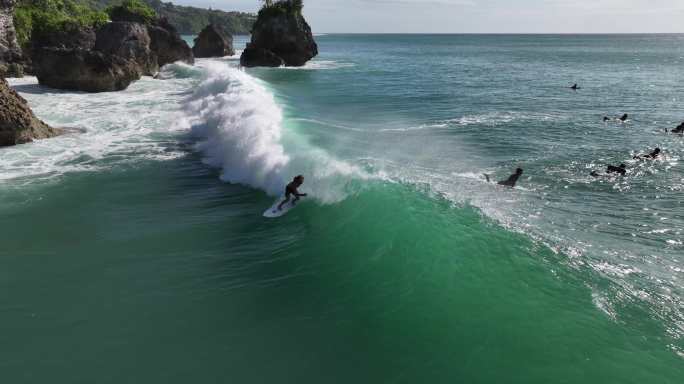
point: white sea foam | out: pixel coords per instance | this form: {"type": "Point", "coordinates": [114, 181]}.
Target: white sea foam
{"type": "Point", "coordinates": [321, 65]}
{"type": "Point", "coordinates": [239, 129]}
{"type": "Point", "coordinates": [109, 128]}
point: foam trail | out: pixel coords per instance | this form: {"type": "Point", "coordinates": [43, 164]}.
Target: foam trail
{"type": "Point", "coordinates": [239, 128]}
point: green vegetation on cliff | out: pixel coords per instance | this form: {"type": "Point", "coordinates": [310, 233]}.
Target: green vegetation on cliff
{"type": "Point", "coordinates": [48, 16]}
{"type": "Point", "coordinates": [191, 20]}
{"type": "Point", "coordinates": [131, 10]}
{"type": "Point", "coordinates": [64, 15]}
{"type": "Point", "coordinates": [281, 7]}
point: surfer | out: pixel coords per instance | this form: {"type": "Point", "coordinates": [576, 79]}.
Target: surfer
{"type": "Point", "coordinates": [606, 118]}
{"type": "Point", "coordinates": [623, 118]}
{"type": "Point", "coordinates": [652, 156]}
{"type": "Point", "coordinates": [575, 87]}
{"type": "Point", "coordinates": [679, 129]}
{"type": "Point", "coordinates": [512, 179]}
{"type": "Point", "coordinates": [291, 189]}
{"type": "Point", "coordinates": [621, 169]}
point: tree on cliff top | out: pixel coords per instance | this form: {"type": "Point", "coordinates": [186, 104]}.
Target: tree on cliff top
{"type": "Point", "coordinates": [291, 5]}
{"type": "Point", "coordinates": [52, 16]}
{"type": "Point", "coordinates": [132, 10]}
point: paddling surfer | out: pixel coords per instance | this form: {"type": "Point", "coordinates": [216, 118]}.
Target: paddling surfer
{"type": "Point", "coordinates": [512, 179]}
{"type": "Point", "coordinates": [652, 156]}
{"type": "Point", "coordinates": [291, 189]}
{"type": "Point", "coordinates": [621, 169]}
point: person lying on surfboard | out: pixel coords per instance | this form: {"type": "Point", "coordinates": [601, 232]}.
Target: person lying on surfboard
{"type": "Point", "coordinates": [291, 189]}
{"type": "Point", "coordinates": [512, 179]}
{"type": "Point", "coordinates": [652, 156]}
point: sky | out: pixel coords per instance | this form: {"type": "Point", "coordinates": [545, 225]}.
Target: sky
{"type": "Point", "coordinates": [480, 16]}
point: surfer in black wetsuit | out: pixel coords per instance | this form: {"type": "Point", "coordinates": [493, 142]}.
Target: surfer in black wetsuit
{"type": "Point", "coordinates": [575, 87]}
{"type": "Point", "coordinates": [624, 118]}
{"type": "Point", "coordinates": [291, 189]}
{"type": "Point", "coordinates": [651, 156]}
{"type": "Point", "coordinates": [512, 179]}
{"type": "Point", "coordinates": [606, 118]}
{"type": "Point", "coordinates": [679, 129]}
{"type": "Point", "coordinates": [621, 169]}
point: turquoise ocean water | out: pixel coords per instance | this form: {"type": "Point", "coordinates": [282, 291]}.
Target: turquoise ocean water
{"type": "Point", "coordinates": [135, 251]}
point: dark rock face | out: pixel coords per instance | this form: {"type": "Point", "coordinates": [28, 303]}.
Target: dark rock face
{"type": "Point", "coordinates": [84, 70]}
{"type": "Point", "coordinates": [167, 44]}
{"type": "Point", "coordinates": [213, 41]}
{"type": "Point", "coordinates": [285, 35]}
{"type": "Point", "coordinates": [18, 124]}
{"type": "Point", "coordinates": [260, 57]}
{"type": "Point", "coordinates": [108, 59]}
{"type": "Point", "coordinates": [10, 52]}
{"type": "Point", "coordinates": [129, 41]}
{"type": "Point", "coordinates": [75, 37]}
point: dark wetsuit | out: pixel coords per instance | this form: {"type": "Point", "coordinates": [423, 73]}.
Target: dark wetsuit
{"type": "Point", "coordinates": [511, 181]}
{"type": "Point", "coordinates": [290, 190]}
{"type": "Point", "coordinates": [614, 169]}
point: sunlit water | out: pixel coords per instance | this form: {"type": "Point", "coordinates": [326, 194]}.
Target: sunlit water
{"type": "Point", "coordinates": [135, 250]}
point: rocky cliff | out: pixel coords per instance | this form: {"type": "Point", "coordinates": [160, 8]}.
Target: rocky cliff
{"type": "Point", "coordinates": [280, 35]}
{"type": "Point", "coordinates": [10, 53]}
{"type": "Point", "coordinates": [18, 124]}
{"type": "Point", "coordinates": [213, 41]}
{"type": "Point", "coordinates": [107, 59]}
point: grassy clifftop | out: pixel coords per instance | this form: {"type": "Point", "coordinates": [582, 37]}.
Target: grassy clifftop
{"type": "Point", "coordinates": [187, 20]}
{"type": "Point", "coordinates": [191, 20]}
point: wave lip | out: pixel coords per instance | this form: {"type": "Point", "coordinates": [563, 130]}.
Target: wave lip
{"type": "Point", "coordinates": [238, 125]}
{"type": "Point", "coordinates": [239, 129]}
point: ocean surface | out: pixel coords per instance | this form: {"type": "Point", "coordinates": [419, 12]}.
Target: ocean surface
{"type": "Point", "coordinates": [134, 250]}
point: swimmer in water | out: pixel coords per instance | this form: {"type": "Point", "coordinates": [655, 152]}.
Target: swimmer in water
{"type": "Point", "coordinates": [512, 179]}
{"type": "Point", "coordinates": [621, 169]}
{"type": "Point", "coordinates": [651, 156]}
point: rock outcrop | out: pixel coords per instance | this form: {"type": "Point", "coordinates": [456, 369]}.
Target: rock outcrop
{"type": "Point", "coordinates": [18, 124]}
{"type": "Point", "coordinates": [83, 70]}
{"type": "Point", "coordinates": [280, 31]}
{"type": "Point", "coordinates": [167, 44]}
{"type": "Point", "coordinates": [70, 60]}
{"type": "Point", "coordinates": [213, 41]}
{"type": "Point", "coordinates": [10, 52]}
{"type": "Point", "coordinates": [129, 41]}
{"type": "Point", "coordinates": [108, 59]}
{"type": "Point", "coordinates": [260, 57]}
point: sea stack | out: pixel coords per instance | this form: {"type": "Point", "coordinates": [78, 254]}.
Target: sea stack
{"type": "Point", "coordinates": [280, 36]}
{"type": "Point", "coordinates": [109, 57]}
{"type": "Point", "coordinates": [213, 41]}
{"type": "Point", "coordinates": [18, 124]}
{"type": "Point", "coordinates": [167, 43]}
{"type": "Point", "coordinates": [69, 60]}
{"type": "Point", "coordinates": [10, 52]}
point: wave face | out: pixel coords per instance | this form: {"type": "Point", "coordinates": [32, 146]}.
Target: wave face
{"type": "Point", "coordinates": [408, 267]}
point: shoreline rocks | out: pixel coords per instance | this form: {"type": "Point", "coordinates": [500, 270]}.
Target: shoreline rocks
{"type": "Point", "coordinates": [83, 70]}
{"type": "Point", "coordinates": [213, 41]}
{"type": "Point", "coordinates": [167, 44]}
{"type": "Point", "coordinates": [109, 58]}
{"type": "Point", "coordinates": [129, 41]}
{"type": "Point", "coordinates": [280, 32]}
{"type": "Point", "coordinates": [11, 57]}
{"type": "Point", "coordinates": [18, 124]}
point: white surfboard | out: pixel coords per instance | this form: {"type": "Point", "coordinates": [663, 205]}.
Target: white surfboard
{"type": "Point", "coordinates": [274, 212]}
